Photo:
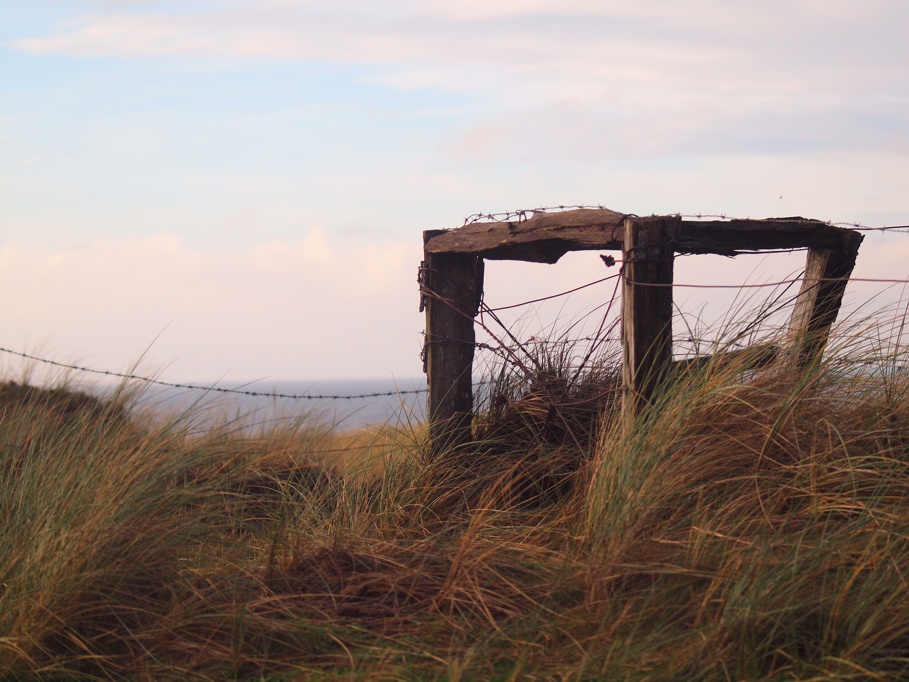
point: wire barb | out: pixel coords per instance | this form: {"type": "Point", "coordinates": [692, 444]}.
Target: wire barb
{"type": "Point", "coordinates": [520, 215]}
{"type": "Point", "coordinates": [210, 389]}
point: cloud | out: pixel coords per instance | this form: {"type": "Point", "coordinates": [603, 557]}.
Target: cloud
{"type": "Point", "coordinates": [322, 308]}
{"type": "Point", "coordinates": [302, 309]}
{"type": "Point", "coordinates": [567, 131]}
{"type": "Point", "coordinates": [541, 40]}
{"type": "Point", "coordinates": [313, 249]}
{"type": "Point", "coordinates": [576, 78]}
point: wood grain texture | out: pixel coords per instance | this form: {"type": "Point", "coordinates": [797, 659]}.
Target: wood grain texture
{"type": "Point", "coordinates": [827, 272]}
{"type": "Point", "coordinates": [729, 237]}
{"type": "Point", "coordinates": [546, 237]}
{"type": "Point", "coordinates": [453, 284]}
{"type": "Point", "coordinates": [752, 357]}
{"type": "Point", "coordinates": [452, 288]}
{"type": "Point", "coordinates": [646, 310]}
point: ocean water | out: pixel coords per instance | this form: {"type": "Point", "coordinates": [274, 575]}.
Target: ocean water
{"type": "Point", "coordinates": [398, 403]}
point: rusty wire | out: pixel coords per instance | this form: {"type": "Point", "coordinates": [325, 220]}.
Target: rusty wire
{"type": "Point", "coordinates": [523, 214]}
{"type": "Point", "coordinates": [208, 389]}
{"type": "Point", "coordinates": [518, 350]}
{"type": "Point", "coordinates": [504, 350]}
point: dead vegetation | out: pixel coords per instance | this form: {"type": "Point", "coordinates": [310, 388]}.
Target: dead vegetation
{"type": "Point", "coordinates": [753, 526]}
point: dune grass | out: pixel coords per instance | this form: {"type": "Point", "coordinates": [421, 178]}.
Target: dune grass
{"type": "Point", "coordinates": [754, 525]}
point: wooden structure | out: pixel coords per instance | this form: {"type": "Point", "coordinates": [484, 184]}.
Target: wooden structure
{"type": "Point", "coordinates": [452, 285]}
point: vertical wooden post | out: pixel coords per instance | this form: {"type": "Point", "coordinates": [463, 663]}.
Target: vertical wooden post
{"type": "Point", "coordinates": [649, 255]}
{"type": "Point", "coordinates": [453, 286]}
{"type": "Point", "coordinates": [827, 272]}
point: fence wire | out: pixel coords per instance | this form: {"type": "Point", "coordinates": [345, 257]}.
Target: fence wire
{"type": "Point", "coordinates": [208, 389]}
{"type": "Point", "coordinates": [504, 346]}
{"type": "Point", "coordinates": [524, 214]}
{"type": "Point", "coordinates": [516, 349]}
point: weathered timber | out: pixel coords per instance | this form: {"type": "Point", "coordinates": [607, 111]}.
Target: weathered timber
{"type": "Point", "coordinates": [453, 282]}
{"type": "Point", "coordinates": [729, 237]}
{"type": "Point", "coordinates": [827, 272]}
{"type": "Point", "coordinates": [753, 357]}
{"type": "Point", "coordinates": [546, 237]}
{"type": "Point", "coordinates": [646, 309]}
{"type": "Point", "coordinates": [452, 288]}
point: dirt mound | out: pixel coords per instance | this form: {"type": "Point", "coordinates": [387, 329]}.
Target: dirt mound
{"type": "Point", "coordinates": [63, 405]}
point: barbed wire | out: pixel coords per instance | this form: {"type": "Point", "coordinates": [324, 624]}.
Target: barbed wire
{"type": "Point", "coordinates": [554, 296]}
{"type": "Point", "coordinates": [864, 228]}
{"type": "Point", "coordinates": [210, 389]}
{"type": "Point", "coordinates": [767, 284]}
{"type": "Point", "coordinates": [519, 215]}
{"type": "Point", "coordinates": [859, 227]}
{"type": "Point", "coordinates": [723, 216]}
{"type": "Point", "coordinates": [515, 351]}
{"type": "Point", "coordinates": [502, 348]}
{"type": "Point", "coordinates": [524, 214]}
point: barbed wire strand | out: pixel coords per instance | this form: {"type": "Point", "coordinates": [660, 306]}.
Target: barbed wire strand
{"type": "Point", "coordinates": [768, 284]}
{"type": "Point", "coordinates": [503, 348]}
{"type": "Point", "coordinates": [211, 389]}
{"type": "Point", "coordinates": [520, 215]}
{"type": "Point", "coordinates": [553, 296]}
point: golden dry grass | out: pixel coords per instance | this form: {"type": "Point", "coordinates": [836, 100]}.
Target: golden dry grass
{"type": "Point", "coordinates": [754, 526]}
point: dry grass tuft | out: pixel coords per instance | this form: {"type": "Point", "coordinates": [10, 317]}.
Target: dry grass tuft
{"type": "Point", "coordinates": [754, 525]}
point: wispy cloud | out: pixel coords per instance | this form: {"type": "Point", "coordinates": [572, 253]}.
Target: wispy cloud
{"type": "Point", "coordinates": [235, 125]}
{"type": "Point", "coordinates": [307, 308]}
{"type": "Point", "coordinates": [623, 40]}
{"type": "Point", "coordinates": [568, 131]}
{"type": "Point", "coordinates": [579, 78]}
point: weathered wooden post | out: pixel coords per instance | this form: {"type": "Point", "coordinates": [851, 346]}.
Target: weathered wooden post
{"type": "Point", "coordinates": [827, 272]}
{"type": "Point", "coordinates": [649, 254]}
{"type": "Point", "coordinates": [452, 286]}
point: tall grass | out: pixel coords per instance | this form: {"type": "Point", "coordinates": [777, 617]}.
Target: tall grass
{"type": "Point", "coordinates": [753, 525]}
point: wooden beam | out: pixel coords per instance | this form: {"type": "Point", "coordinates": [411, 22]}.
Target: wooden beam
{"type": "Point", "coordinates": [827, 272]}
{"type": "Point", "coordinates": [544, 238]}
{"type": "Point", "coordinates": [729, 237]}
{"type": "Point", "coordinates": [452, 285]}
{"type": "Point", "coordinates": [646, 309]}
{"type": "Point", "coordinates": [752, 357]}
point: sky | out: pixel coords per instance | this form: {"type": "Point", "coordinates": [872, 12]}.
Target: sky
{"type": "Point", "coordinates": [232, 190]}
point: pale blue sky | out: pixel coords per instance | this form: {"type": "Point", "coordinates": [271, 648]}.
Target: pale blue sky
{"type": "Point", "coordinates": [242, 185]}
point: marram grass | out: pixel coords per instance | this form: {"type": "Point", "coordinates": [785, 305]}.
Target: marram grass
{"type": "Point", "coordinates": [755, 525]}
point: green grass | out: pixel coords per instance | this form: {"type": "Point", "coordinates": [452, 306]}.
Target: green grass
{"type": "Point", "coordinates": [755, 525]}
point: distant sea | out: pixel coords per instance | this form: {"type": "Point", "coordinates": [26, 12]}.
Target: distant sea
{"type": "Point", "coordinates": [398, 404]}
